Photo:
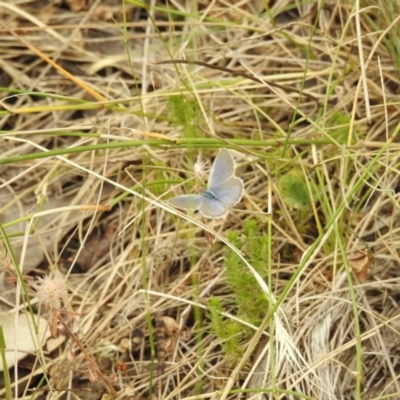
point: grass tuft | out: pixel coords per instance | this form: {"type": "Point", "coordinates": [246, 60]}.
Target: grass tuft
{"type": "Point", "coordinates": [108, 110]}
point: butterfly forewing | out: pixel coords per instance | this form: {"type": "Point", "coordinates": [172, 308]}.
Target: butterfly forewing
{"type": "Point", "coordinates": [187, 201]}
{"type": "Point", "coordinates": [222, 169]}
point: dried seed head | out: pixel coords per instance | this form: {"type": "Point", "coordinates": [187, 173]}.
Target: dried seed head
{"type": "Point", "coordinates": [200, 168]}
{"type": "Point", "coordinates": [51, 291]}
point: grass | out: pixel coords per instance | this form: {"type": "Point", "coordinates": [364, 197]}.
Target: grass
{"type": "Point", "coordinates": [104, 112]}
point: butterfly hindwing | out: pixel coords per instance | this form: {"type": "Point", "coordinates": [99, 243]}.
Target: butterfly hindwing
{"type": "Point", "coordinates": [230, 192]}
{"type": "Point", "coordinates": [213, 208]}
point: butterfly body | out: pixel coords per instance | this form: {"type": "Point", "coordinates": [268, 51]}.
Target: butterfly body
{"type": "Point", "coordinates": [224, 190]}
{"type": "Point", "coordinates": [207, 194]}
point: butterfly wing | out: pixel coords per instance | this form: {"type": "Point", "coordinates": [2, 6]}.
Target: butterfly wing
{"type": "Point", "coordinates": [222, 169]}
{"type": "Point", "coordinates": [213, 208]}
{"type": "Point", "coordinates": [230, 191]}
{"type": "Point", "coordinates": [187, 201]}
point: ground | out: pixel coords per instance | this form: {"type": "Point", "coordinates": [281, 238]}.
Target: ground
{"type": "Point", "coordinates": [111, 108]}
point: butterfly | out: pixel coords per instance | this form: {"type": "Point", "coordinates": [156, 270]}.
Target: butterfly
{"type": "Point", "coordinates": [224, 190]}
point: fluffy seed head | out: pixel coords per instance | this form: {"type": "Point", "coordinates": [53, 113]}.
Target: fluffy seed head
{"type": "Point", "coordinates": [200, 168]}
{"type": "Point", "coordinates": [51, 291]}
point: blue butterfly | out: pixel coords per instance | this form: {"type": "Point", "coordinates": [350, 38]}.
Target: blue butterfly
{"type": "Point", "coordinates": [224, 190]}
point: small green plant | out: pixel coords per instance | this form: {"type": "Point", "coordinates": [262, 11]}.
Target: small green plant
{"type": "Point", "coordinates": [184, 112]}
{"type": "Point", "coordinates": [294, 191]}
{"type": "Point", "coordinates": [250, 303]}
